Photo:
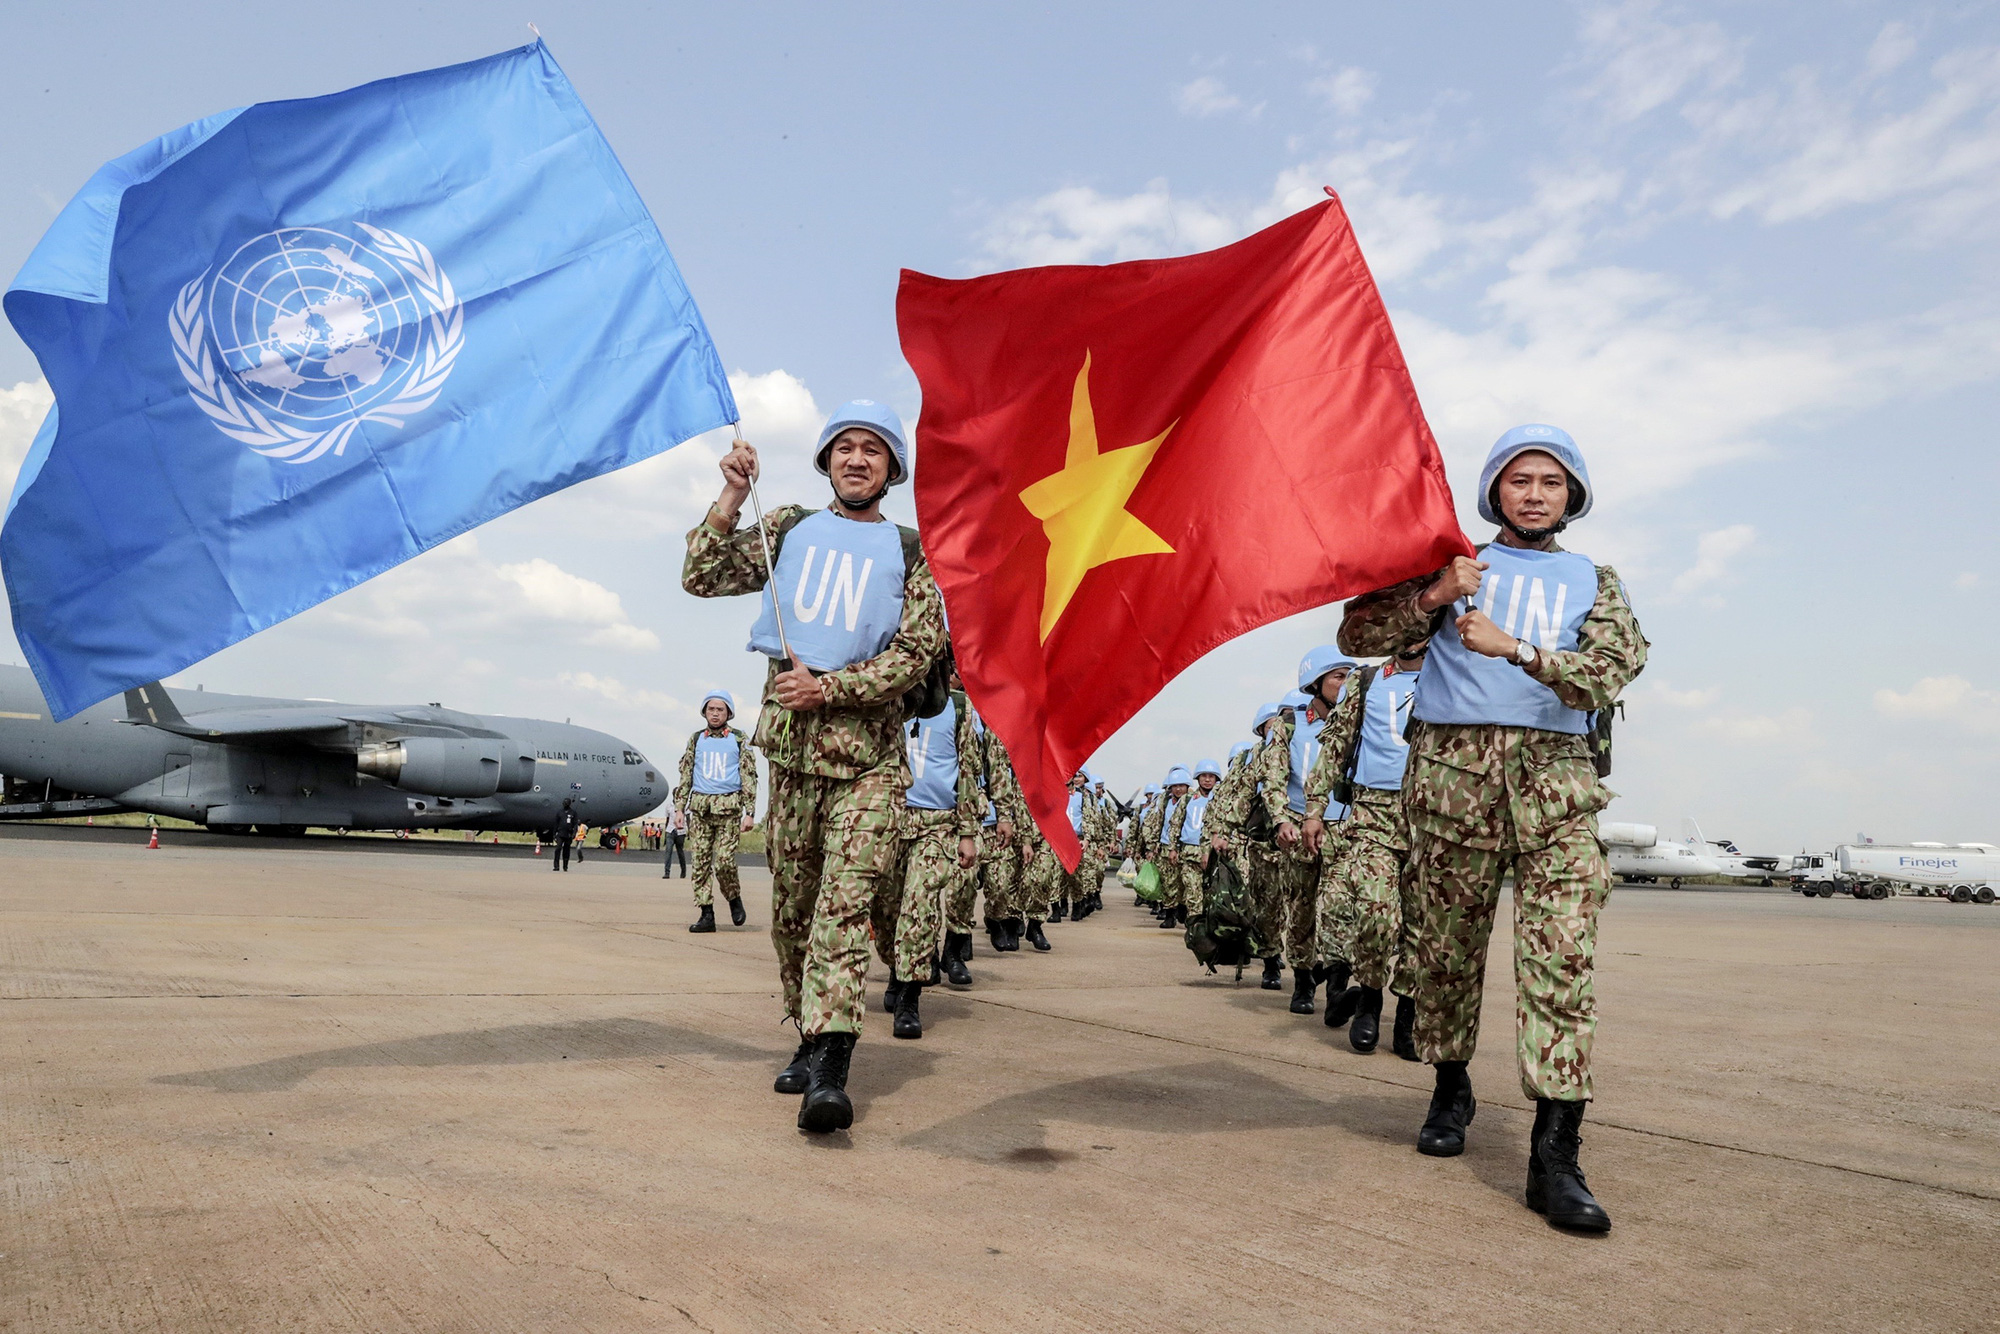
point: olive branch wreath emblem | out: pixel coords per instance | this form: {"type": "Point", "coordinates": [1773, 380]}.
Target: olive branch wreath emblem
{"type": "Point", "coordinates": [240, 419]}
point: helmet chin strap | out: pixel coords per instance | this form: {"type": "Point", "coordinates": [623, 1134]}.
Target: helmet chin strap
{"type": "Point", "coordinates": [1533, 535]}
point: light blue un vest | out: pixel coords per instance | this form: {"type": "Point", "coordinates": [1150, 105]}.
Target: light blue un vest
{"type": "Point", "coordinates": [1386, 713]}
{"type": "Point", "coordinates": [1076, 813]}
{"type": "Point", "coordinates": [1197, 811]}
{"type": "Point", "coordinates": [933, 752]}
{"type": "Point", "coordinates": [842, 588]}
{"type": "Point", "coordinates": [1540, 596]}
{"type": "Point", "coordinates": [1305, 754]}
{"type": "Point", "coordinates": [718, 765]}
{"type": "Point", "coordinates": [992, 816]}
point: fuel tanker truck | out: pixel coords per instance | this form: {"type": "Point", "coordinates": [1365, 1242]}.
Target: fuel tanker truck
{"type": "Point", "coordinates": [1961, 872]}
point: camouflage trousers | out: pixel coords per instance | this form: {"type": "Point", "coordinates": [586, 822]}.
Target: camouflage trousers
{"type": "Point", "coordinates": [1000, 876]}
{"type": "Point", "coordinates": [1258, 863]}
{"type": "Point", "coordinates": [1376, 878]}
{"type": "Point", "coordinates": [833, 844]}
{"type": "Point", "coordinates": [1041, 880]}
{"type": "Point", "coordinates": [1190, 874]}
{"type": "Point", "coordinates": [964, 889]}
{"type": "Point", "coordinates": [1558, 891]}
{"type": "Point", "coordinates": [714, 829]}
{"type": "Point", "coordinates": [908, 914]}
{"type": "Point", "coordinates": [1295, 896]}
{"type": "Point", "coordinates": [1334, 909]}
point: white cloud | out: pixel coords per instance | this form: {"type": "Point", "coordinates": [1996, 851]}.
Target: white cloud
{"type": "Point", "coordinates": [1078, 225]}
{"type": "Point", "coordinates": [1206, 96]}
{"type": "Point", "coordinates": [21, 411]}
{"type": "Point", "coordinates": [1966, 581]}
{"type": "Point", "coordinates": [1947, 699]}
{"type": "Point", "coordinates": [1644, 61]}
{"type": "Point", "coordinates": [454, 595]}
{"type": "Point", "coordinates": [1715, 554]}
{"type": "Point", "coordinates": [614, 691]}
{"type": "Point", "coordinates": [1895, 44]}
{"type": "Point", "coordinates": [1346, 90]}
{"type": "Point", "coordinates": [1683, 699]}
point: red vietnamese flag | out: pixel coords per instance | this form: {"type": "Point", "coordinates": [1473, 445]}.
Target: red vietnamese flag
{"type": "Point", "coordinates": [1122, 467]}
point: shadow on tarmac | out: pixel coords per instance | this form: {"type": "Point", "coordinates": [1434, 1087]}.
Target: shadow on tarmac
{"type": "Point", "coordinates": [517, 1044]}
{"type": "Point", "coordinates": [1203, 1098]}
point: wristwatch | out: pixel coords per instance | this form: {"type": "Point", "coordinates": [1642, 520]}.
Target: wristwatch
{"type": "Point", "coordinates": [1524, 653]}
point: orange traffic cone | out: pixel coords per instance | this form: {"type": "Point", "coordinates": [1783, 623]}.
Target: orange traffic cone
{"type": "Point", "coordinates": [538, 845]}
{"type": "Point", "coordinates": [154, 841]}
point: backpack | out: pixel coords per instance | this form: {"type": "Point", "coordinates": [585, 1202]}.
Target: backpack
{"type": "Point", "coordinates": [1343, 782]}
{"type": "Point", "coordinates": [1222, 934]}
{"type": "Point", "coordinates": [926, 698]}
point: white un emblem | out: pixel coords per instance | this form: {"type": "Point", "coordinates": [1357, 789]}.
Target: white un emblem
{"type": "Point", "coordinates": [306, 332]}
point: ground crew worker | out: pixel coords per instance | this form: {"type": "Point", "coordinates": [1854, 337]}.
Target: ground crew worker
{"type": "Point", "coordinates": [1526, 642]}
{"type": "Point", "coordinates": [716, 804]}
{"type": "Point", "coordinates": [832, 722]}
{"type": "Point", "coordinates": [1193, 849]}
{"type": "Point", "coordinates": [567, 828]}
{"type": "Point", "coordinates": [939, 845]}
{"type": "Point", "coordinates": [1290, 746]}
{"type": "Point", "coordinates": [1362, 751]}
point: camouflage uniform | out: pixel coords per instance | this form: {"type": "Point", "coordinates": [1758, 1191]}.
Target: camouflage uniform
{"type": "Point", "coordinates": [715, 822]}
{"type": "Point", "coordinates": [1167, 850]}
{"type": "Point", "coordinates": [907, 916]}
{"type": "Point", "coordinates": [838, 775]}
{"type": "Point", "coordinates": [1367, 911]}
{"type": "Point", "coordinates": [1293, 895]}
{"type": "Point", "coordinates": [1229, 818]}
{"type": "Point", "coordinates": [1000, 859]}
{"type": "Point", "coordinates": [1483, 798]}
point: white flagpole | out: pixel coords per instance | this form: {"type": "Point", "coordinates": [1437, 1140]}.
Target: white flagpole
{"type": "Point", "coordinates": [764, 541]}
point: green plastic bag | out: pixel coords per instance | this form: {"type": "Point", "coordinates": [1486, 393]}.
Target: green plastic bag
{"type": "Point", "coordinates": [1147, 884]}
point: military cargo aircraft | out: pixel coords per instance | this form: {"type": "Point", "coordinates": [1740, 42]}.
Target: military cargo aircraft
{"type": "Point", "coordinates": [280, 766]}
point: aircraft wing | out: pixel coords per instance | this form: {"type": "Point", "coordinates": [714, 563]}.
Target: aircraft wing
{"type": "Point", "coordinates": [152, 706]}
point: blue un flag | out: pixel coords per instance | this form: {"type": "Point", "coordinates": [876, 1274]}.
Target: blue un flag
{"type": "Point", "coordinates": [299, 343]}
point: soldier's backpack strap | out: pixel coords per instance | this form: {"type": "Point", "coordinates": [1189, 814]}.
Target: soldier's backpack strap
{"type": "Point", "coordinates": [1343, 783]}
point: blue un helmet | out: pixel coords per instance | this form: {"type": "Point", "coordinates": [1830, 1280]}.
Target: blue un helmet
{"type": "Point", "coordinates": [1317, 663]}
{"type": "Point", "coordinates": [1298, 699]}
{"type": "Point", "coordinates": [870, 416]}
{"type": "Point", "coordinates": [728, 700]}
{"type": "Point", "coordinates": [1152, 789]}
{"type": "Point", "coordinates": [1241, 748]}
{"type": "Point", "coordinates": [1550, 440]}
{"type": "Point", "coordinates": [1179, 774]}
{"type": "Point", "coordinates": [1265, 713]}
{"type": "Point", "coordinates": [1208, 767]}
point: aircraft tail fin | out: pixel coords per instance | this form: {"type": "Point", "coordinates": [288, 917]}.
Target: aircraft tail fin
{"type": "Point", "coordinates": [152, 705]}
{"type": "Point", "coordinates": [1693, 832]}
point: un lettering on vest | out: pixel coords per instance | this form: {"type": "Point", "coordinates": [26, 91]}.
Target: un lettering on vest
{"type": "Point", "coordinates": [933, 756]}
{"type": "Point", "coordinates": [1305, 754]}
{"type": "Point", "coordinates": [1542, 597]}
{"type": "Point", "coordinates": [717, 766]}
{"type": "Point", "coordinates": [1385, 748]}
{"type": "Point", "coordinates": [840, 584]}
{"type": "Point", "coordinates": [1197, 812]}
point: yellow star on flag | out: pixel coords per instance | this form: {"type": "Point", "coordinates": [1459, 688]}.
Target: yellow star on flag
{"type": "Point", "coordinates": [1082, 508]}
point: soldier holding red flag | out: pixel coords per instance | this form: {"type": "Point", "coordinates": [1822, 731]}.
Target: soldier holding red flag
{"type": "Point", "coordinates": [1501, 777]}
{"type": "Point", "coordinates": [864, 616]}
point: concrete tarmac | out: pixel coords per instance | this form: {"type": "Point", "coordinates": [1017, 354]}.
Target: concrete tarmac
{"type": "Point", "coordinates": [300, 1087]}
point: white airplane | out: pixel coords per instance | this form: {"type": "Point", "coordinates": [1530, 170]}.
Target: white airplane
{"type": "Point", "coordinates": [1734, 863]}
{"type": "Point", "coordinates": [1640, 856]}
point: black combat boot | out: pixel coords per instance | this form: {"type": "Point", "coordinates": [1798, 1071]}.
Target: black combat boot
{"type": "Point", "coordinates": [705, 923]}
{"type": "Point", "coordinates": [1367, 1028]}
{"type": "Point", "coordinates": [955, 971]}
{"type": "Point", "coordinates": [909, 1024]}
{"type": "Point", "coordinates": [1452, 1110]}
{"type": "Point", "coordinates": [1556, 1188]}
{"type": "Point", "coordinates": [792, 1079]}
{"type": "Point", "coordinates": [965, 947]}
{"type": "Point", "coordinates": [1273, 972]}
{"type": "Point", "coordinates": [1404, 1040]}
{"type": "Point", "coordinates": [1167, 919]}
{"type": "Point", "coordinates": [1336, 973]}
{"type": "Point", "coordinates": [1016, 928]}
{"type": "Point", "coordinates": [1037, 939]}
{"type": "Point", "coordinates": [1056, 911]}
{"type": "Point", "coordinates": [1303, 987]}
{"type": "Point", "coordinates": [996, 931]}
{"type": "Point", "coordinates": [1341, 999]}
{"type": "Point", "coordinates": [736, 914]}
{"type": "Point", "coordinates": [891, 995]}
{"type": "Point", "coordinates": [826, 1106]}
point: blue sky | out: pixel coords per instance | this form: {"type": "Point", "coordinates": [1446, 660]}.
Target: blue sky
{"type": "Point", "coordinates": [1743, 252]}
